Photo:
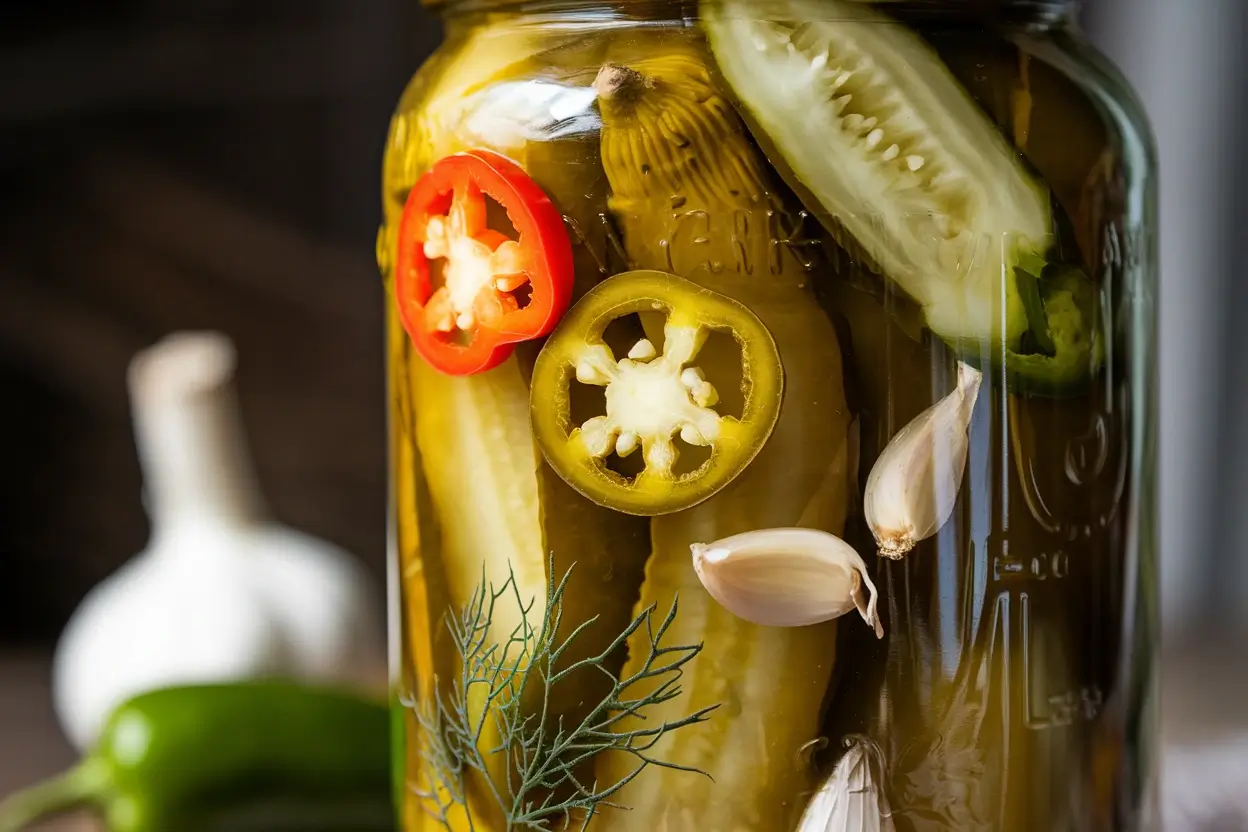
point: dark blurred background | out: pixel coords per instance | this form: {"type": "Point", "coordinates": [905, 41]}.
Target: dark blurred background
{"type": "Point", "coordinates": [169, 165]}
{"type": "Point", "coordinates": [191, 164]}
{"type": "Point", "coordinates": [175, 164]}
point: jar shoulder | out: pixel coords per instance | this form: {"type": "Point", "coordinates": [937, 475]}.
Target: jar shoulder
{"type": "Point", "coordinates": [1065, 107]}
{"type": "Point", "coordinates": [1103, 84]}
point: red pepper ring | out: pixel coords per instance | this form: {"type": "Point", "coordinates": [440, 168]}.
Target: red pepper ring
{"type": "Point", "coordinates": [445, 217]}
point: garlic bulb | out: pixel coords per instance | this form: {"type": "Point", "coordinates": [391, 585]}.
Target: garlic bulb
{"type": "Point", "coordinates": [914, 484]}
{"type": "Point", "coordinates": [222, 592]}
{"type": "Point", "coordinates": [850, 800]}
{"type": "Point", "coordinates": [787, 577]}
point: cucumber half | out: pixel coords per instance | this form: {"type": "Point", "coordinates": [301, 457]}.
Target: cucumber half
{"type": "Point", "coordinates": [896, 159]}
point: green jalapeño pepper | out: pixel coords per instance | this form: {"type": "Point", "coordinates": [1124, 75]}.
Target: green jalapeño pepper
{"type": "Point", "coordinates": [1064, 341]}
{"type": "Point", "coordinates": [653, 398]}
{"type": "Point", "coordinates": [229, 758]}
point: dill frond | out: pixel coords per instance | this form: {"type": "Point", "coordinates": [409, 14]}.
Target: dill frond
{"type": "Point", "coordinates": [542, 754]}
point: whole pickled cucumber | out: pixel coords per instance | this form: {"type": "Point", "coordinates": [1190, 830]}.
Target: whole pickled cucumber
{"type": "Point", "coordinates": [682, 170]}
{"type": "Point", "coordinates": [493, 502]}
{"type": "Point", "coordinates": [690, 194]}
{"type": "Point", "coordinates": [469, 443]}
{"type": "Point", "coordinates": [428, 656]}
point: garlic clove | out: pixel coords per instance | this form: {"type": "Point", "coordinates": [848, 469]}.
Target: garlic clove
{"type": "Point", "coordinates": [866, 606]}
{"type": "Point", "coordinates": [787, 577]}
{"type": "Point", "coordinates": [914, 484]}
{"type": "Point", "coordinates": [851, 799]}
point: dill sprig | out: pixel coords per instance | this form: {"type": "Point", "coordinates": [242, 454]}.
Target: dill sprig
{"type": "Point", "coordinates": [541, 755]}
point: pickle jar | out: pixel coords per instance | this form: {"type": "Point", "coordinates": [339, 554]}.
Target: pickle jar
{"type": "Point", "coordinates": [772, 419]}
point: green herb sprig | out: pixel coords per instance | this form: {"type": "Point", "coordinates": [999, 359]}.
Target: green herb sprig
{"type": "Point", "coordinates": [542, 754]}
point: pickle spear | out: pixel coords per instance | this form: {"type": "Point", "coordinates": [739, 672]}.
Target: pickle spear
{"type": "Point", "coordinates": [689, 192]}
{"type": "Point", "coordinates": [607, 549]}
{"type": "Point", "coordinates": [449, 532]}
{"type": "Point", "coordinates": [494, 502]}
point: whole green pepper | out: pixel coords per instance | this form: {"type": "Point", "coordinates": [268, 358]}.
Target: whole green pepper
{"type": "Point", "coordinates": [255, 755]}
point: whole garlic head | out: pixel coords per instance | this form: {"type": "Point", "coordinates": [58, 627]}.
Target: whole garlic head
{"type": "Point", "coordinates": [222, 592]}
{"type": "Point", "coordinates": [914, 484]}
{"type": "Point", "coordinates": [787, 577]}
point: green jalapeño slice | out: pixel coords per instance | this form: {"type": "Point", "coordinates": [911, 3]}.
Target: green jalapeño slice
{"type": "Point", "coordinates": [653, 399]}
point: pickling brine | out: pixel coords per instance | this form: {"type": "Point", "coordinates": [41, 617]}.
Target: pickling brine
{"type": "Point", "coordinates": [772, 410]}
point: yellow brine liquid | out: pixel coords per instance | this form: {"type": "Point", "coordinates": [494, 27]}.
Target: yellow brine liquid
{"type": "Point", "coordinates": [1007, 691]}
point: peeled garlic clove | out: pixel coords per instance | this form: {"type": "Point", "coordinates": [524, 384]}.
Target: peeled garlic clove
{"type": "Point", "coordinates": [787, 577]}
{"type": "Point", "coordinates": [914, 485]}
{"type": "Point", "coordinates": [851, 799]}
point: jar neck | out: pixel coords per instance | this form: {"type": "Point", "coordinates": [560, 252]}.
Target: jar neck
{"type": "Point", "coordinates": [1015, 12]}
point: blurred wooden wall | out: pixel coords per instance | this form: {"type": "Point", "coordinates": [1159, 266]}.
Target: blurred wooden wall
{"type": "Point", "coordinates": [172, 164]}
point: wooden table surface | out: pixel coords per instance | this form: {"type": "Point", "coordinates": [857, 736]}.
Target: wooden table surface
{"type": "Point", "coordinates": [31, 743]}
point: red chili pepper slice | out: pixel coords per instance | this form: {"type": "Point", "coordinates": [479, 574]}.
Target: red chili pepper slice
{"type": "Point", "coordinates": [471, 321]}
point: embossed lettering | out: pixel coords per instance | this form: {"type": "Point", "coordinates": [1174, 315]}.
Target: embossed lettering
{"type": "Point", "coordinates": [578, 239]}
{"type": "Point", "coordinates": [1083, 491]}
{"type": "Point", "coordinates": [1041, 567]}
{"type": "Point", "coordinates": [1081, 704]}
{"type": "Point", "coordinates": [741, 240]}
{"type": "Point", "coordinates": [700, 239]}
{"type": "Point", "coordinates": [614, 245]}
{"type": "Point", "coordinates": [1086, 455]}
{"type": "Point", "coordinates": [687, 248]}
{"type": "Point", "coordinates": [603, 260]}
{"type": "Point", "coordinates": [787, 230]}
{"type": "Point", "coordinates": [1044, 711]}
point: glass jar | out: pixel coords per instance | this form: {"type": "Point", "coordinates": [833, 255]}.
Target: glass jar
{"type": "Point", "coordinates": [667, 281]}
